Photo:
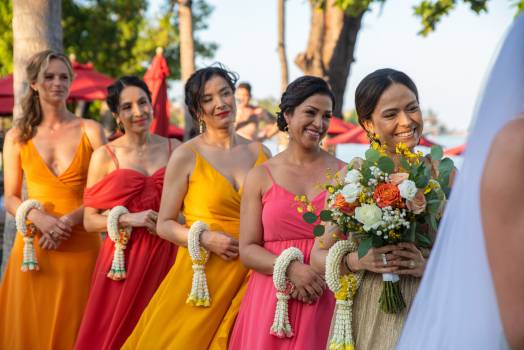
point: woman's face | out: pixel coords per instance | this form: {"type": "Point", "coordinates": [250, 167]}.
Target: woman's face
{"type": "Point", "coordinates": [397, 117]}
{"type": "Point", "coordinates": [217, 104]}
{"type": "Point", "coordinates": [135, 112]}
{"type": "Point", "coordinates": [308, 123]}
{"type": "Point", "coordinates": [54, 82]}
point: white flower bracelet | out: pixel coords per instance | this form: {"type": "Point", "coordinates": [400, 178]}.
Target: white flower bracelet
{"type": "Point", "coordinates": [29, 262]}
{"type": "Point", "coordinates": [120, 236]}
{"type": "Point", "coordinates": [281, 326]}
{"type": "Point", "coordinates": [199, 295]}
{"type": "Point", "coordinates": [344, 288]}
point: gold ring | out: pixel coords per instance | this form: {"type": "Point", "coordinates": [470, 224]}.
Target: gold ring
{"type": "Point", "coordinates": [412, 264]}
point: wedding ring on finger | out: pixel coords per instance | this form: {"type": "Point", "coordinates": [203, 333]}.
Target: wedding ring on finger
{"type": "Point", "coordinates": [384, 259]}
{"type": "Point", "coordinates": [412, 264]}
{"type": "Point", "coordinates": [52, 234]}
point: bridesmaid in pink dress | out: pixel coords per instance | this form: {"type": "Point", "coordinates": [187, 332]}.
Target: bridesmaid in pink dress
{"type": "Point", "coordinates": [270, 223]}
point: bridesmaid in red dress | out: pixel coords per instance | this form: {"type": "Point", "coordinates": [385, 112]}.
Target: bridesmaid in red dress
{"type": "Point", "coordinates": [127, 172]}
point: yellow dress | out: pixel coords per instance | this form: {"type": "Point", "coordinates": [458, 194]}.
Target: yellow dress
{"type": "Point", "coordinates": [43, 309]}
{"type": "Point", "coordinates": [168, 322]}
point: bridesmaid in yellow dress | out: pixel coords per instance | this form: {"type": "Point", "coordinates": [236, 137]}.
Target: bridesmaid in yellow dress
{"type": "Point", "coordinates": [51, 148]}
{"type": "Point", "coordinates": [204, 180]}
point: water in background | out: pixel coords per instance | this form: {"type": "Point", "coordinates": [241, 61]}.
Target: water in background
{"type": "Point", "coordinates": [348, 151]}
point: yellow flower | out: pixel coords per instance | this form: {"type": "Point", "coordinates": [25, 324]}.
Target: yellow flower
{"type": "Point", "coordinates": [300, 210]}
{"type": "Point", "coordinates": [394, 235]}
{"type": "Point", "coordinates": [310, 208]}
{"type": "Point", "coordinates": [362, 197]}
{"type": "Point", "coordinates": [303, 198]}
{"type": "Point", "coordinates": [331, 189]}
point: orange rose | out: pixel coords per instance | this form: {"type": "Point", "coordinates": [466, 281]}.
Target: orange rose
{"type": "Point", "coordinates": [387, 194]}
{"type": "Point", "coordinates": [343, 206]}
{"type": "Point", "coordinates": [418, 204]}
{"type": "Point", "coordinates": [396, 179]}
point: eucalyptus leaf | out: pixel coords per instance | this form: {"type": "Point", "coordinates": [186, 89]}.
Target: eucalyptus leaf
{"type": "Point", "coordinates": [423, 240]}
{"type": "Point", "coordinates": [372, 155]}
{"type": "Point", "coordinates": [412, 232]}
{"type": "Point", "coordinates": [422, 181]}
{"type": "Point", "coordinates": [326, 215]}
{"type": "Point", "coordinates": [319, 230]}
{"type": "Point", "coordinates": [309, 217]}
{"type": "Point", "coordinates": [436, 152]}
{"type": "Point", "coordinates": [405, 164]}
{"type": "Point", "coordinates": [364, 246]}
{"type": "Point", "coordinates": [386, 165]}
{"type": "Point", "coordinates": [446, 166]}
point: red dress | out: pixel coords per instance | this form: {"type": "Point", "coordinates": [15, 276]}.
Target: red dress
{"type": "Point", "coordinates": [114, 307]}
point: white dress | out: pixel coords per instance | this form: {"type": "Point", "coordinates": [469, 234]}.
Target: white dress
{"type": "Point", "coordinates": [456, 306]}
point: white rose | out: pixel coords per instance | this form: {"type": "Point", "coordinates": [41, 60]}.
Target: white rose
{"type": "Point", "coordinates": [353, 176]}
{"type": "Point", "coordinates": [408, 189]}
{"type": "Point", "coordinates": [351, 192]}
{"type": "Point", "coordinates": [370, 215]}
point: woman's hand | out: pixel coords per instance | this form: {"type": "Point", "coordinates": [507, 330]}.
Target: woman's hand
{"type": "Point", "coordinates": [220, 243]}
{"type": "Point", "coordinates": [378, 260]}
{"type": "Point", "coordinates": [146, 218]}
{"type": "Point", "coordinates": [410, 260]}
{"type": "Point", "coordinates": [309, 285]}
{"type": "Point", "coordinates": [52, 228]}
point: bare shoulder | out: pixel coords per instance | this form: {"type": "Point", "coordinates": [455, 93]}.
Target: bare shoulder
{"type": "Point", "coordinates": [509, 142]}
{"type": "Point", "coordinates": [257, 178]}
{"type": "Point", "coordinates": [183, 156]}
{"type": "Point", "coordinates": [95, 132]}
{"type": "Point", "coordinates": [13, 136]}
{"type": "Point", "coordinates": [100, 157]}
{"type": "Point", "coordinates": [175, 142]}
{"type": "Point", "coordinates": [255, 147]}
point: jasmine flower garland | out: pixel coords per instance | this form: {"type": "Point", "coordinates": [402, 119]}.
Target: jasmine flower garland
{"type": "Point", "coordinates": [29, 262]}
{"type": "Point", "coordinates": [199, 295]}
{"type": "Point", "coordinates": [120, 236]}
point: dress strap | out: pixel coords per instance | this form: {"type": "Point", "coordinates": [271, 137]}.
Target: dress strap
{"type": "Point", "coordinates": [340, 164]}
{"type": "Point", "coordinates": [112, 155]}
{"type": "Point", "coordinates": [169, 146]}
{"type": "Point", "coordinates": [264, 165]}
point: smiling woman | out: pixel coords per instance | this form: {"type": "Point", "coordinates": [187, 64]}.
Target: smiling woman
{"type": "Point", "coordinates": [204, 180]}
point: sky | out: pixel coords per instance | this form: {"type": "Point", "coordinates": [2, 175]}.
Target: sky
{"type": "Point", "coordinates": [449, 66]}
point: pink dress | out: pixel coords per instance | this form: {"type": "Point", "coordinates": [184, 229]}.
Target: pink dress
{"type": "Point", "coordinates": [283, 228]}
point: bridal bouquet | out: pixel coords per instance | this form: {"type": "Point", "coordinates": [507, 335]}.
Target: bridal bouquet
{"type": "Point", "coordinates": [380, 202]}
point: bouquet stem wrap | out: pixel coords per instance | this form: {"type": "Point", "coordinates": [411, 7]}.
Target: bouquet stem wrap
{"type": "Point", "coordinates": [199, 295]}
{"type": "Point", "coordinates": [391, 300]}
{"type": "Point", "coordinates": [344, 288]}
{"type": "Point", "coordinates": [120, 236]}
{"type": "Point", "coordinates": [29, 262]}
{"type": "Point", "coordinates": [281, 327]}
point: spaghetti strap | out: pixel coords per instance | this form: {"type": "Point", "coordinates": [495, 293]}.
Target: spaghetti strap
{"type": "Point", "coordinates": [112, 155]}
{"type": "Point", "coordinates": [169, 147]}
{"type": "Point", "coordinates": [268, 172]}
{"type": "Point", "coordinates": [340, 164]}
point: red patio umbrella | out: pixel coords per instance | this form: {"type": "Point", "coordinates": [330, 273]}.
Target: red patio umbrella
{"type": "Point", "coordinates": [6, 105]}
{"type": "Point", "coordinates": [455, 151]}
{"type": "Point", "coordinates": [6, 86]}
{"type": "Point", "coordinates": [337, 126]}
{"type": "Point", "coordinates": [88, 85]}
{"type": "Point", "coordinates": [359, 135]}
{"type": "Point", "coordinates": [155, 79]}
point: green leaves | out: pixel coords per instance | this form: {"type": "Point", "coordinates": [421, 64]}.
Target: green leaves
{"type": "Point", "coordinates": [364, 246]}
{"type": "Point", "coordinates": [372, 155]}
{"type": "Point", "coordinates": [423, 241]}
{"type": "Point", "coordinates": [386, 165]}
{"type": "Point", "coordinates": [436, 153]}
{"type": "Point", "coordinates": [310, 217]}
{"type": "Point", "coordinates": [326, 215]}
{"type": "Point", "coordinates": [319, 230]}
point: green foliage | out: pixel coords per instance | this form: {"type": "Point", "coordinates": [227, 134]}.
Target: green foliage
{"type": "Point", "coordinates": [309, 217]}
{"type": "Point", "coordinates": [386, 165]}
{"type": "Point", "coordinates": [436, 152]}
{"type": "Point", "coordinates": [319, 230]}
{"type": "Point", "coordinates": [364, 245]}
{"type": "Point", "coordinates": [372, 155]}
{"type": "Point", "coordinates": [326, 215]}
{"type": "Point", "coordinates": [6, 37]}
{"type": "Point", "coordinates": [115, 35]}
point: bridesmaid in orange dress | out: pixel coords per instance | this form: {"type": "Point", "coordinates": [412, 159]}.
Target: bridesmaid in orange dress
{"type": "Point", "coordinates": [51, 148]}
{"type": "Point", "coordinates": [128, 171]}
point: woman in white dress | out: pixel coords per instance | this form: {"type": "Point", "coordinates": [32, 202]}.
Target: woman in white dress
{"type": "Point", "coordinates": [471, 296]}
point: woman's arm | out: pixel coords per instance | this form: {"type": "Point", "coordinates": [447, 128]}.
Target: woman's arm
{"type": "Point", "coordinates": [502, 209]}
{"type": "Point", "coordinates": [98, 169]}
{"type": "Point", "coordinates": [95, 133]}
{"type": "Point", "coordinates": [13, 173]}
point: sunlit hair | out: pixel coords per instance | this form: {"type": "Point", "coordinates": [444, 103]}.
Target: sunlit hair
{"type": "Point", "coordinates": [31, 110]}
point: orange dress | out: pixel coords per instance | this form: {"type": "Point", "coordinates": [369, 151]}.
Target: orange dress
{"type": "Point", "coordinates": [43, 309]}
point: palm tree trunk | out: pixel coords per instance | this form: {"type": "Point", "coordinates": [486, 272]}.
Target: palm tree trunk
{"type": "Point", "coordinates": [284, 75]}
{"type": "Point", "coordinates": [36, 27]}
{"type": "Point", "coordinates": [187, 57]}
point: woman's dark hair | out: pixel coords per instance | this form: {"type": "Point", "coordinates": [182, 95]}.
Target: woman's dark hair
{"type": "Point", "coordinates": [373, 86]}
{"type": "Point", "coordinates": [299, 91]}
{"type": "Point", "coordinates": [114, 90]}
{"type": "Point", "coordinates": [194, 88]}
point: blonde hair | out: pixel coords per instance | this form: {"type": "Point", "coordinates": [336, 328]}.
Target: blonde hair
{"type": "Point", "coordinates": [31, 111]}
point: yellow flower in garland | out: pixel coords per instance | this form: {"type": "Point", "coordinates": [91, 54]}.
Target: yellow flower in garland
{"type": "Point", "coordinates": [403, 150]}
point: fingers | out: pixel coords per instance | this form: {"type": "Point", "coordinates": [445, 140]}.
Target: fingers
{"type": "Point", "coordinates": [406, 254]}
{"type": "Point", "coordinates": [57, 233]}
{"type": "Point", "coordinates": [389, 269]}
{"type": "Point", "coordinates": [384, 249]}
{"type": "Point", "coordinates": [412, 272]}
{"type": "Point", "coordinates": [65, 227]}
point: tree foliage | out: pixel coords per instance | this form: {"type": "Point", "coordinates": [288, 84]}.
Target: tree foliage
{"type": "Point", "coordinates": [115, 35]}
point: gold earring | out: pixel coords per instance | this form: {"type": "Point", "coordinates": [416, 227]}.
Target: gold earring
{"type": "Point", "coordinates": [201, 125]}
